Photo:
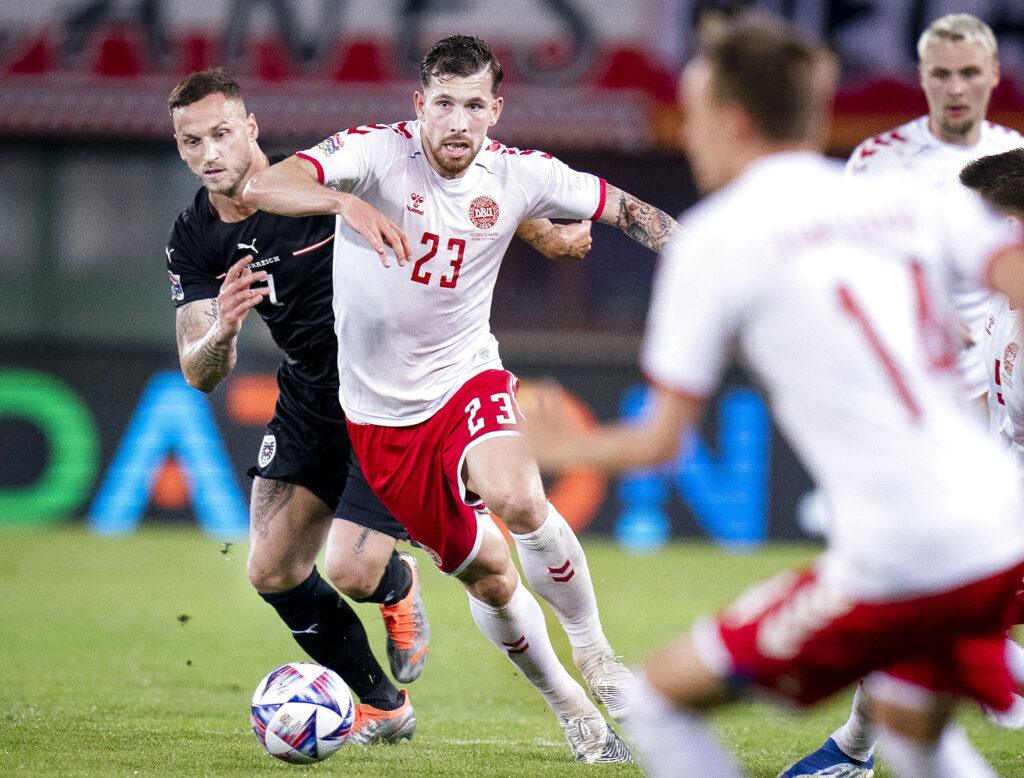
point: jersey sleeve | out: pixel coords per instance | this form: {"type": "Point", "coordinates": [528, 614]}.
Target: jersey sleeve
{"type": "Point", "coordinates": [347, 157]}
{"type": "Point", "coordinates": [872, 158]}
{"type": "Point", "coordinates": [189, 267]}
{"type": "Point", "coordinates": [696, 308]}
{"type": "Point", "coordinates": [558, 191]}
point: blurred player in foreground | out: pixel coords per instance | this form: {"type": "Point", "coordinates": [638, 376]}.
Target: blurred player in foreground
{"type": "Point", "coordinates": [958, 67]}
{"type": "Point", "coordinates": [833, 297]}
{"type": "Point", "coordinates": [225, 258]}
{"type": "Point", "coordinates": [422, 382]}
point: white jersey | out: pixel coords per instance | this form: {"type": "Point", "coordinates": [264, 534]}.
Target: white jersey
{"type": "Point", "coordinates": [1001, 347]}
{"type": "Point", "coordinates": [911, 148]}
{"type": "Point", "coordinates": [410, 336]}
{"type": "Point", "coordinates": [834, 296]}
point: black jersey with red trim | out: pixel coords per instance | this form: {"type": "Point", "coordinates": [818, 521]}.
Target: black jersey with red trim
{"type": "Point", "coordinates": [296, 253]}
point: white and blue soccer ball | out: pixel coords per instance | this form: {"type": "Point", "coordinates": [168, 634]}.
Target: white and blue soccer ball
{"type": "Point", "coordinates": [302, 712]}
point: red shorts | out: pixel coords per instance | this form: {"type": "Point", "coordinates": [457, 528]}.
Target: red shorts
{"type": "Point", "coordinates": [797, 637]}
{"type": "Point", "coordinates": [417, 471]}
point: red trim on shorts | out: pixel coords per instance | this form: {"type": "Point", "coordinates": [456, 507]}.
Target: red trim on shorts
{"type": "Point", "coordinates": [601, 202]}
{"type": "Point", "coordinates": [316, 164]}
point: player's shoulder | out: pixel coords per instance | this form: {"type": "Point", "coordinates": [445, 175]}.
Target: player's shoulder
{"type": "Point", "coordinates": [883, 148]}
{"type": "Point", "coordinates": [192, 223]}
{"type": "Point", "coordinates": [378, 136]}
{"type": "Point", "coordinates": [1000, 137]}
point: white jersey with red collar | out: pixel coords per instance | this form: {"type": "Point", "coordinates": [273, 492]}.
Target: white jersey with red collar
{"type": "Point", "coordinates": [410, 336]}
{"type": "Point", "coordinates": [834, 296]}
{"type": "Point", "coordinates": [911, 148]}
{"type": "Point", "coordinates": [1001, 346]}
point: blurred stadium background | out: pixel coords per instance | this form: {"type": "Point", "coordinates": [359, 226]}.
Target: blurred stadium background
{"type": "Point", "coordinates": [96, 425]}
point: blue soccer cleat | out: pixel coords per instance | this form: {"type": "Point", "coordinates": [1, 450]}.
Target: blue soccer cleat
{"type": "Point", "coordinates": [830, 761]}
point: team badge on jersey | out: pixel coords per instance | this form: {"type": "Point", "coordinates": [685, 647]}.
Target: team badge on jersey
{"type": "Point", "coordinates": [267, 450]}
{"type": "Point", "coordinates": [331, 144]}
{"type": "Point", "coordinates": [1009, 357]}
{"type": "Point", "coordinates": [177, 293]}
{"type": "Point", "coordinates": [483, 212]}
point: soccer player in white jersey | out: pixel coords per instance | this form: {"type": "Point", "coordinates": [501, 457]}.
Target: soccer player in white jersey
{"type": "Point", "coordinates": [999, 178]}
{"type": "Point", "coordinates": [422, 384]}
{"type": "Point", "coordinates": [832, 297]}
{"type": "Point", "coordinates": [958, 68]}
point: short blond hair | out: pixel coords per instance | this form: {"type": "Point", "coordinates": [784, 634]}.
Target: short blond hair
{"type": "Point", "coordinates": [958, 27]}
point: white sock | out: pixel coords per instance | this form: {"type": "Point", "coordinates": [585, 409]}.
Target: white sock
{"type": "Point", "coordinates": [556, 568]}
{"type": "Point", "coordinates": [857, 736]}
{"type": "Point", "coordinates": [671, 741]}
{"type": "Point", "coordinates": [518, 629]}
{"type": "Point", "coordinates": [952, 757]}
{"type": "Point", "coordinates": [1015, 660]}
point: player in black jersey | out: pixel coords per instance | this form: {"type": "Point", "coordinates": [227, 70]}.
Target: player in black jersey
{"type": "Point", "coordinates": [225, 259]}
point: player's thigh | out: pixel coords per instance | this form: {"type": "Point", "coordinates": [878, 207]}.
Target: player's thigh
{"type": "Point", "coordinates": [288, 525]}
{"type": "Point", "coordinates": [502, 471]}
{"type": "Point", "coordinates": [355, 557]}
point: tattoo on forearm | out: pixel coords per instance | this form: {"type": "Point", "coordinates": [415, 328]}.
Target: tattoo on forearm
{"type": "Point", "coordinates": [647, 225]}
{"type": "Point", "coordinates": [268, 500]}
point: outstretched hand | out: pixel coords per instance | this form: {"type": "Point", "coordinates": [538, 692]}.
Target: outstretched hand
{"type": "Point", "coordinates": [378, 230]}
{"type": "Point", "coordinates": [237, 296]}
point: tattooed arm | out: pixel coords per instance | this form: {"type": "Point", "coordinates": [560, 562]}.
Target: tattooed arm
{"type": "Point", "coordinates": [644, 223]}
{"type": "Point", "coordinates": [207, 330]}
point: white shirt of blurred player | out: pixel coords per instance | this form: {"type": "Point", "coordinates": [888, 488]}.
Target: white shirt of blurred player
{"type": "Point", "coordinates": [833, 297]}
{"type": "Point", "coordinates": [1001, 347]}
{"type": "Point", "coordinates": [410, 336]}
{"type": "Point", "coordinates": [912, 148]}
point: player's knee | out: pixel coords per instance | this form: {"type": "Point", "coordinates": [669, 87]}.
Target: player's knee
{"type": "Point", "coordinates": [522, 509]}
{"type": "Point", "coordinates": [351, 577]}
{"type": "Point", "coordinates": [266, 578]}
{"type": "Point", "coordinates": [496, 589]}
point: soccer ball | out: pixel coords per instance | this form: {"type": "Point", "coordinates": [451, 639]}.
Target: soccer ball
{"type": "Point", "coordinates": [302, 712]}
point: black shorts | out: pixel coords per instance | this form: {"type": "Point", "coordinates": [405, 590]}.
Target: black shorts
{"type": "Point", "coordinates": [306, 443]}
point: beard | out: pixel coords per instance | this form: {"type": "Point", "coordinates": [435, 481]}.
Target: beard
{"type": "Point", "coordinates": [230, 180]}
{"type": "Point", "coordinates": [957, 128]}
{"type": "Point", "coordinates": [456, 166]}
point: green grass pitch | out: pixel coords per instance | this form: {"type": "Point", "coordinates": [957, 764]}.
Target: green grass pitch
{"type": "Point", "coordinates": [137, 656]}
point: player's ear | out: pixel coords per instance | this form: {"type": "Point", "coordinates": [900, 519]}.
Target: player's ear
{"type": "Point", "coordinates": [418, 102]}
{"type": "Point", "coordinates": [496, 110]}
{"type": "Point", "coordinates": [254, 129]}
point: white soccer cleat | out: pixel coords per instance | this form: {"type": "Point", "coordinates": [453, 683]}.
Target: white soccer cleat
{"type": "Point", "coordinates": [593, 741]}
{"type": "Point", "coordinates": [606, 677]}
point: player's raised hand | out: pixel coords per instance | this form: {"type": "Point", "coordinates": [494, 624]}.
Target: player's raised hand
{"type": "Point", "coordinates": [237, 296]}
{"type": "Point", "coordinates": [378, 230]}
